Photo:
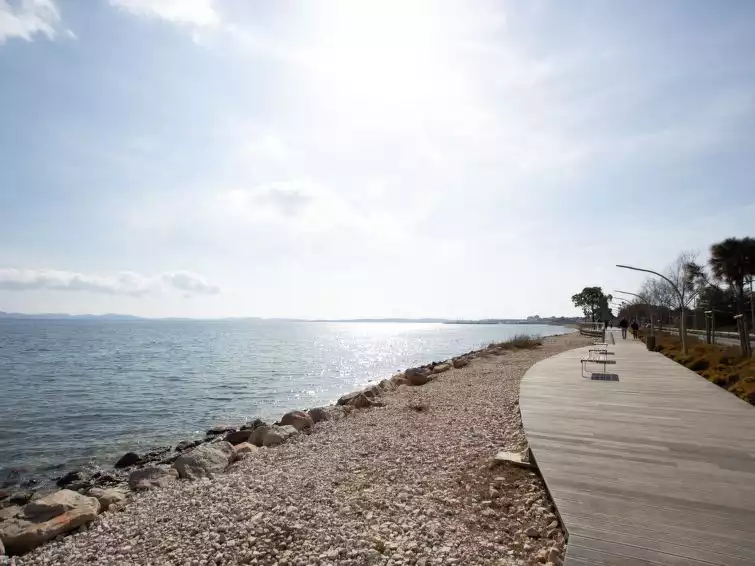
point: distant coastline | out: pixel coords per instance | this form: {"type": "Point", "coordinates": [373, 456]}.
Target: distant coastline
{"type": "Point", "coordinates": [561, 320]}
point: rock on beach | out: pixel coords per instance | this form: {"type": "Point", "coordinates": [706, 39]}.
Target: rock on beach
{"type": "Point", "coordinates": [46, 518]}
{"type": "Point", "coordinates": [204, 460]}
{"type": "Point", "coordinates": [297, 419]}
{"type": "Point", "coordinates": [276, 435]}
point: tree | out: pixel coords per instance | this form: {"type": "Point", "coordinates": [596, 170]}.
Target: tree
{"type": "Point", "coordinates": [733, 262]}
{"type": "Point", "coordinates": [593, 302]}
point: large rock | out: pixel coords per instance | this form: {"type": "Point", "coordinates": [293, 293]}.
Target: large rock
{"type": "Point", "coordinates": [155, 455]}
{"type": "Point", "coordinates": [46, 518]}
{"type": "Point", "coordinates": [108, 497]}
{"type": "Point", "coordinates": [319, 414]}
{"type": "Point", "coordinates": [258, 435]}
{"type": "Point", "coordinates": [346, 399]}
{"type": "Point", "coordinates": [398, 380]}
{"type": "Point", "coordinates": [360, 400]}
{"type": "Point", "coordinates": [297, 419]}
{"type": "Point", "coordinates": [372, 392]}
{"type": "Point", "coordinates": [204, 461]}
{"type": "Point", "coordinates": [220, 429]}
{"type": "Point", "coordinates": [186, 444]}
{"type": "Point", "coordinates": [128, 459]}
{"type": "Point", "coordinates": [9, 512]}
{"type": "Point", "coordinates": [149, 478]}
{"type": "Point", "coordinates": [276, 435]}
{"type": "Point", "coordinates": [76, 477]}
{"type": "Point", "coordinates": [387, 385]}
{"type": "Point", "coordinates": [244, 450]}
{"type": "Point", "coordinates": [418, 376]}
{"type": "Point", "coordinates": [21, 497]}
{"type": "Point", "coordinates": [254, 424]}
{"type": "Point", "coordinates": [238, 436]}
{"type": "Point", "coordinates": [440, 368]}
{"type": "Point", "coordinates": [460, 362]}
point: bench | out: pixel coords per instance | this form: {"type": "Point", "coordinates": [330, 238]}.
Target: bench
{"type": "Point", "coordinates": [596, 356]}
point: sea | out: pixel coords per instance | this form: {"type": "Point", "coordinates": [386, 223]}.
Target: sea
{"type": "Point", "coordinates": [82, 392]}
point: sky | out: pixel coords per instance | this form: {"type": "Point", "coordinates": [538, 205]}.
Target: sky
{"type": "Point", "coordinates": [461, 159]}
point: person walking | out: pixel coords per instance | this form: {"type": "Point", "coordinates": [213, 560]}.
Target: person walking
{"type": "Point", "coordinates": [624, 324]}
{"type": "Point", "coordinates": [635, 329]}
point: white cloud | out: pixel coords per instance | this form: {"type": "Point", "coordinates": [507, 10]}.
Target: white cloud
{"type": "Point", "coordinates": [189, 282]}
{"type": "Point", "coordinates": [124, 283]}
{"type": "Point", "coordinates": [199, 13]}
{"type": "Point", "coordinates": [28, 18]}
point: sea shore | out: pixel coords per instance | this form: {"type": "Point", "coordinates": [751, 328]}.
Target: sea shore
{"type": "Point", "coordinates": [402, 473]}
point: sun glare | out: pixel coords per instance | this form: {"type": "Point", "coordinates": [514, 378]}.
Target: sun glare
{"type": "Point", "coordinates": [386, 55]}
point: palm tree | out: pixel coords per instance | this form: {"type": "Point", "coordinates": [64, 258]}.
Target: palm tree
{"type": "Point", "coordinates": [733, 262]}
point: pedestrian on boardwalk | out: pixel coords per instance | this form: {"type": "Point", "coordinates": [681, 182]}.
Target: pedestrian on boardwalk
{"type": "Point", "coordinates": [624, 324]}
{"type": "Point", "coordinates": [635, 328]}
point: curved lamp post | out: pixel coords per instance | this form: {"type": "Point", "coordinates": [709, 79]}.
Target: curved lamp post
{"type": "Point", "coordinates": [678, 293]}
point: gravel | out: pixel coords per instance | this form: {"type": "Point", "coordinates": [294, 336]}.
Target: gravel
{"type": "Point", "coordinates": [387, 485]}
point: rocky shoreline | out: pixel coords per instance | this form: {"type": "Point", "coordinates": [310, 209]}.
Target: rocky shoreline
{"type": "Point", "coordinates": [196, 473]}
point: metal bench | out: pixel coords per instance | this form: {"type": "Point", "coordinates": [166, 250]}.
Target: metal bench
{"type": "Point", "coordinates": [596, 356]}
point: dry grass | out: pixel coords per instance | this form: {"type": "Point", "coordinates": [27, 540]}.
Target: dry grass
{"type": "Point", "coordinates": [723, 365]}
{"type": "Point", "coordinates": [519, 342]}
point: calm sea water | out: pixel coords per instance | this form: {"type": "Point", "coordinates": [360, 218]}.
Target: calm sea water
{"type": "Point", "coordinates": [82, 391]}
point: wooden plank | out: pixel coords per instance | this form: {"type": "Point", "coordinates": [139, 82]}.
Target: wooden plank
{"type": "Point", "coordinates": [655, 468]}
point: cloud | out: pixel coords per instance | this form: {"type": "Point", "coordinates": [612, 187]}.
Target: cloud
{"type": "Point", "coordinates": [199, 13]}
{"type": "Point", "coordinates": [28, 18]}
{"type": "Point", "coordinates": [189, 282]}
{"type": "Point", "coordinates": [124, 283]}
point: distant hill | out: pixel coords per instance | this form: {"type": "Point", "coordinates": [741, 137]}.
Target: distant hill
{"type": "Point", "coordinates": [56, 316]}
{"type": "Point", "coordinates": [382, 320]}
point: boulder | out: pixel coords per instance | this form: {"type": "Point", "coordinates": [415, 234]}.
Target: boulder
{"type": "Point", "coordinates": [387, 385]}
{"type": "Point", "coordinates": [186, 444]}
{"type": "Point", "coordinates": [258, 435]}
{"type": "Point", "coordinates": [154, 476]}
{"type": "Point", "coordinates": [21, 497]}
{"type": "Point", "coordinates": [364, 402]}
{"type": "Point", "coordinates": [276, 435]}
{"type": "Point", "coordinates": [297, 419]}
{"type": "Point", "coordinates": [155, 455]}
{"type": "Point", "coordinates": [460, 362]}
{"type": "Point", "coordinates": [251, 425]}
{"type": "Point", "coordinates": [238, 436]}
{"type": "Point", "coordinates": [128, 459]}
{"type": "Point", "coordinates": [441, 368]}
{"type": "Point", "coordinates": [46, 518]}
{"type": "Point", "coordinates": [106, 479]}
{"type": "Point", "coordinates": [220, 429]}
{"type": "Point", "coordinates": [108, 497]}
{"type": "Point", "coordinates": [418, 376]}
{"type": "Point", "coordinates": [75, 477]}
{"type": "Point", "coordinates": [346, 399]}
{"type": "Point", "coordinates": [204, 461]}
{"type": "Point", "coordinates": [243, 450]}
{"type": "Point", "coordinates": [398, 380]}
{"type": "Point", "coordinates": [372, 392]}
{"type": "Point", "coordinates": [7, 513]}
{"type": "Point", "coordinates": [319, 414]}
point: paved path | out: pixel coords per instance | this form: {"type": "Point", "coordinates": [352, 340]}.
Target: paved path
{"type": "Point", "coordinates": [655, 468]}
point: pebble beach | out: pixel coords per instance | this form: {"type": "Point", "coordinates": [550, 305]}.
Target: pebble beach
{"type": "Point", "coordinates": [409, 480]}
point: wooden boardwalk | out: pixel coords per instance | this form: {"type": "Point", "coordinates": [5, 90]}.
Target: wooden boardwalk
{"type": "Point", "coordinates": [655, 468]}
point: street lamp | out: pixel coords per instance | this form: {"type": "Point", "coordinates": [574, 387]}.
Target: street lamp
{"type": "Point", "coordinates": [679, 294]}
